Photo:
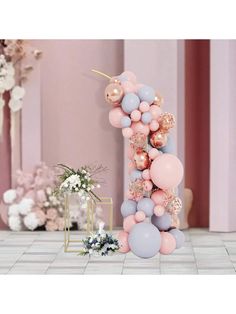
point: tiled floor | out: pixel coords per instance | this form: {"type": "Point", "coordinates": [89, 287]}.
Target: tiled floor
{"type": "Point", "coordinates": [43, 253]}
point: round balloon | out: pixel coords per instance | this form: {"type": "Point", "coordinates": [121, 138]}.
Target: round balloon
{"type": "Point", "coordinates": [179, 237]}
{"type": "Point", "coordinates": [115, 116]}
{"type": "Point", "coordinates": [162, 222]}
{"type": "Point", "coordinates": [144, 240]}
{"type": "Point", "coordinates": [146, 93]}
{"type": "Point", "coordinates": [146, 117]}
{"type": "Point", "coordinates": [135, 175]}
{"type": "Point", "coordinates": [166, 171]}
{"type": "Point", "coordinates": [130, 102]}
{"type": "Point", "coordinates": [129, 222]}
{"type": "Point", "coordinates": [128, 207]}
{"type": "Point", "coordinates": [114, 93]}
{"type": "Point", "coordinates": [140, 216]}
{"type": "Point", "coordinates": [146, 205]}
{"type": "Point", "coordinates": [125, 122]}
{"type": "Point", "coordinates": [169, 148]}
{"type": "Point", "coordinates": [168, 243]}
{"type": "Point", "coordinates": [123, 242]}
{"type": "Point", "coordinates": [139, 127]}
{"type": "Point", "coordinates": [159, 198]}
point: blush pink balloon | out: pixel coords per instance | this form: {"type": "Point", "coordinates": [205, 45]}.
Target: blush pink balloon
{"type": "Point", "coordinates": [153, 153]}
{"type": "Point", "coordinates": [166, 171]}
{"type": "Point", "coordinates": [159, 198]}
{"type": "Point", "coordinates": [159, 210]}
{"type": "Point", "coordinates": [144, 106]}
{"type": "Point", "coordinates": [154, 125]}
{"type": "Point", "coordinates": [127, 132]}
{"type": "Point", "coordinates": [140, 127]}
{"type": "Point", "coordinates": [130, 152]}
{"type": "Point", "coordinates": [123, 242]}
{"type": "Point", "coordinates": [140, 216]}
{"type": "Point", "coordinates": [115, 116]}
{"type": "Point", "coordinates": [130, 76]}
{"type": "Point", "coordinates": [135, 115]}
{"type": "Point", "coordinates": [155, 111]}
{"type": "Point", "coordinates": [147, 185]}
{"type": "Point", "coordinates": [128, 87]}
{"type": "Point", "coordinates": [146, 174]}
{"type": "Point", "coordinates": [168, 243]}
{"type": "Point", "coordinates": [129, 222]}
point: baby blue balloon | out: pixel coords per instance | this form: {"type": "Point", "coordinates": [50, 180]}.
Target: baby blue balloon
{"type": "Point", "coordinates": [146, 117]}
{"type": "Point", "coordinates": [146, 204]}
{"type": "Point", "coordinates": [125, 122]}
{"type": "Point", "coordinates": [179, 237]}
{"type": "Point", "coordinates": [162, 222]}
{"type": "Point", "coordinates": [146, 93]}
{"type": "Point", "coordinates": [128, 207]}
{"type": "Point", "coordinates": [135, 175]}
{"type": "Point", "coordinates": [144, 240]}
{"type": "Point", "coordinates": [169, 148]}
{"type": "Point", "coordinates": [130, 102]}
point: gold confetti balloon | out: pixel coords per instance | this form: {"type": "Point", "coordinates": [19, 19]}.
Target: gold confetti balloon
{"type": "Point", "coordinates": [158, 100]}
{"type": "Point", "coordinates": [158, 139]}
{"type": "Point", "coordinates": [141, 159]}
{"type": "Point", "coordinates": [114, 93]}
{"type": "Point", "coordinates": [166, 121]}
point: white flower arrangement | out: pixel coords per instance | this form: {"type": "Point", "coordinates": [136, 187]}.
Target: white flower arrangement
{"type": "Point", "coordinates": [9, 196]}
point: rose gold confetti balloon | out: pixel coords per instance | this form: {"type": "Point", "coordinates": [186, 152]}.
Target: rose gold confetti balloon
{"type": "Point", "coordinates": [114, 93]}
{"type": "Point", "coordinates": [158, 139]}
{"type": "Point", "coordinates": [158, 100]}
{"type": "Point", "coordinates": [166, 121]}
{"type": "Point", "coordinates": [141, 159]}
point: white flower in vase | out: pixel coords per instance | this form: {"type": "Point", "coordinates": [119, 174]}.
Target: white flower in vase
{"type": "Point", "coordinates": [14, 223]}
{"type": "Point", "coordinates": [9, 196]}
{"type": "Point", "coordinates": [15, 104]}
{"type": "Point", "coordinates": [25, 206]}
{"type": "Point", "coordinates": [31, 221]}
{"type": "Point", "coordinates": [13, 210]}
{"type": "Point", "coordinates": [17, 92]}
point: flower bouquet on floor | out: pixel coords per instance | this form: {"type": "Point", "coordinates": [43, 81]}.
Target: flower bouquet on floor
{"type": "Point", "coordinates": [99, 244]}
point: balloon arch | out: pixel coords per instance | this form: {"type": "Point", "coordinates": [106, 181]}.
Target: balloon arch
{"type": "Point", "coordinates": [151, 210]}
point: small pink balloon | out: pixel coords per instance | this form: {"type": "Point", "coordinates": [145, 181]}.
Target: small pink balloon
{"type": "Point", "coordinates": [166, 171]}
{"type": "Point", "coordinates": [147, 185]}
{"type": "Point", "coordinates": [115, 116]}
{"type": "Point", "coordinates": [130, 152]}
{"type": "Point", "coordinates": [159, 210]}
{"type": "Point", "coordinates": [144, 106]}
{"type": "Point", "coordinates": [128, 87]}
{"type": "Point", "coordinates": [159, 198]}
{"type": "Point", "coordinates": [146, 174]}
{"type": "Point", "coordinates": [140, 127]}
{"type": "Point", "coordinates": [135, 115]}
{"type": "Point", "coordinates": [153, 153]}
{"type": "Point", "coordinates": [139, 216]}
{"type": "Point", "coordinates": [130, 76]}
{"type": "Point", "coordinates": [155, 111]}
{"type": "Point", "coordinates": [168, 243]}
{"type": "Point", "coordinates": [129, 222]}
{"type": "Point", "coordinates": [123, 242]}
{"type": "Point", "coordinates": [154, 125]}
{"type": "Point", "coordinates": [127, 132]}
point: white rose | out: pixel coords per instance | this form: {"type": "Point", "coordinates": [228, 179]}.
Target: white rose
{"type": "Point", "coordinates": [15, 104]}
{"type": "Point", "coordinates": [9, 196]}
{"type": "Point", "coordinates": [14, 223]}
{"type": "Point", "coordinates": [13, 210]}
{"type": "Point", "coordinates": [25, 206]}
{"type": "Point", "coordinates": [9, 82]}
{"type": "Point", "coordinates": [31, 221]}
{"type": "Point", "coordinates": [18, 92]}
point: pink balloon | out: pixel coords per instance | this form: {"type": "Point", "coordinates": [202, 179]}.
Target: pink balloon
{"type": "Point", "coordinates": [146, 174]}
{"type": "Point", "coordinates": [140, 216]}
{"type": "Point", "coordinates": [127, 132]}
{"type": "Point", "coordinates": [129, 222]}
{"type": "Point", "coordinates": [166, 171]}
{"type": "Point", "coordinates": [147, 185]}
{"type": "Point", "coordinates": [135, 115]}
{"type": "Point", "coordinates": [128, 87]}
{"type": "Point", "coordinates": [115, 116]}
{"type": "Point", "coordinates": [168, 243]}
{"type": "Point", "coordinates": [159, 210]}
{"type": "Point", "coordinates": [140, 127]}
{"type": "Point", "coordinates": [159, 198]}
{"type": "Point", "coordinates": [155, 111]}
{"type": "Point", "coordinates": [130, 152]}
{"type": "Point", "coordinates": [153, 153]}
{"type": "Point", "coordinates": [130, 76]}
{"type": "Point", "coordinates": [154, 125]}
{"type": "Point", "coordinates": [123, 242]}
{"type": "Point", "coordinates": [144, 106]}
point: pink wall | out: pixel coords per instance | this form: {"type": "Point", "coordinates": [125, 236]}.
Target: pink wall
{"type": "Point", "coordinates": [75, 127]}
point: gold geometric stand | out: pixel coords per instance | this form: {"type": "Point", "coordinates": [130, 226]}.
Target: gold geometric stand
{"type": "Point", "coordinates": [91, 205]}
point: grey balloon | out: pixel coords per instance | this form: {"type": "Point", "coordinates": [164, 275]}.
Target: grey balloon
{"type": "Point", "coordinates": [179, 237]}
{"type": "Point", "coordinates": [144, 240]}
{"type": "Point", "coordinates": [162, 222]}
{"type": "Point", "coordinates": [128, 207]}
{"type": "Point", "coordinates": [146, 204]}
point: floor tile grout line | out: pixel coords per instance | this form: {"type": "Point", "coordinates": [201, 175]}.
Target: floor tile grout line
{"type": "Point", "coordinates": [226, 249]}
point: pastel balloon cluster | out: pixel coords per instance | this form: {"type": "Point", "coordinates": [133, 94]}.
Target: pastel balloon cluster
{"type": "Point", "coordinates": [151, 211]}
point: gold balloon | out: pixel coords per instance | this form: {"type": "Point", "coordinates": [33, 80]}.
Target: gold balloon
{"type": "Point", "coordinates": [114, 93]}
{"type": "Point", "coordinates": [158, 139]}
{"type": "Point", "coordinates": [158, 100]}
{"type": "Point", "coordinates": [166, 121]}
{"type": "Point", "coordinates": [141, 159]}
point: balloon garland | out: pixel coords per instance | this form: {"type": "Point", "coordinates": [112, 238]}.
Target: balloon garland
{"type": "Point", "coordinates": [151, 210]}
